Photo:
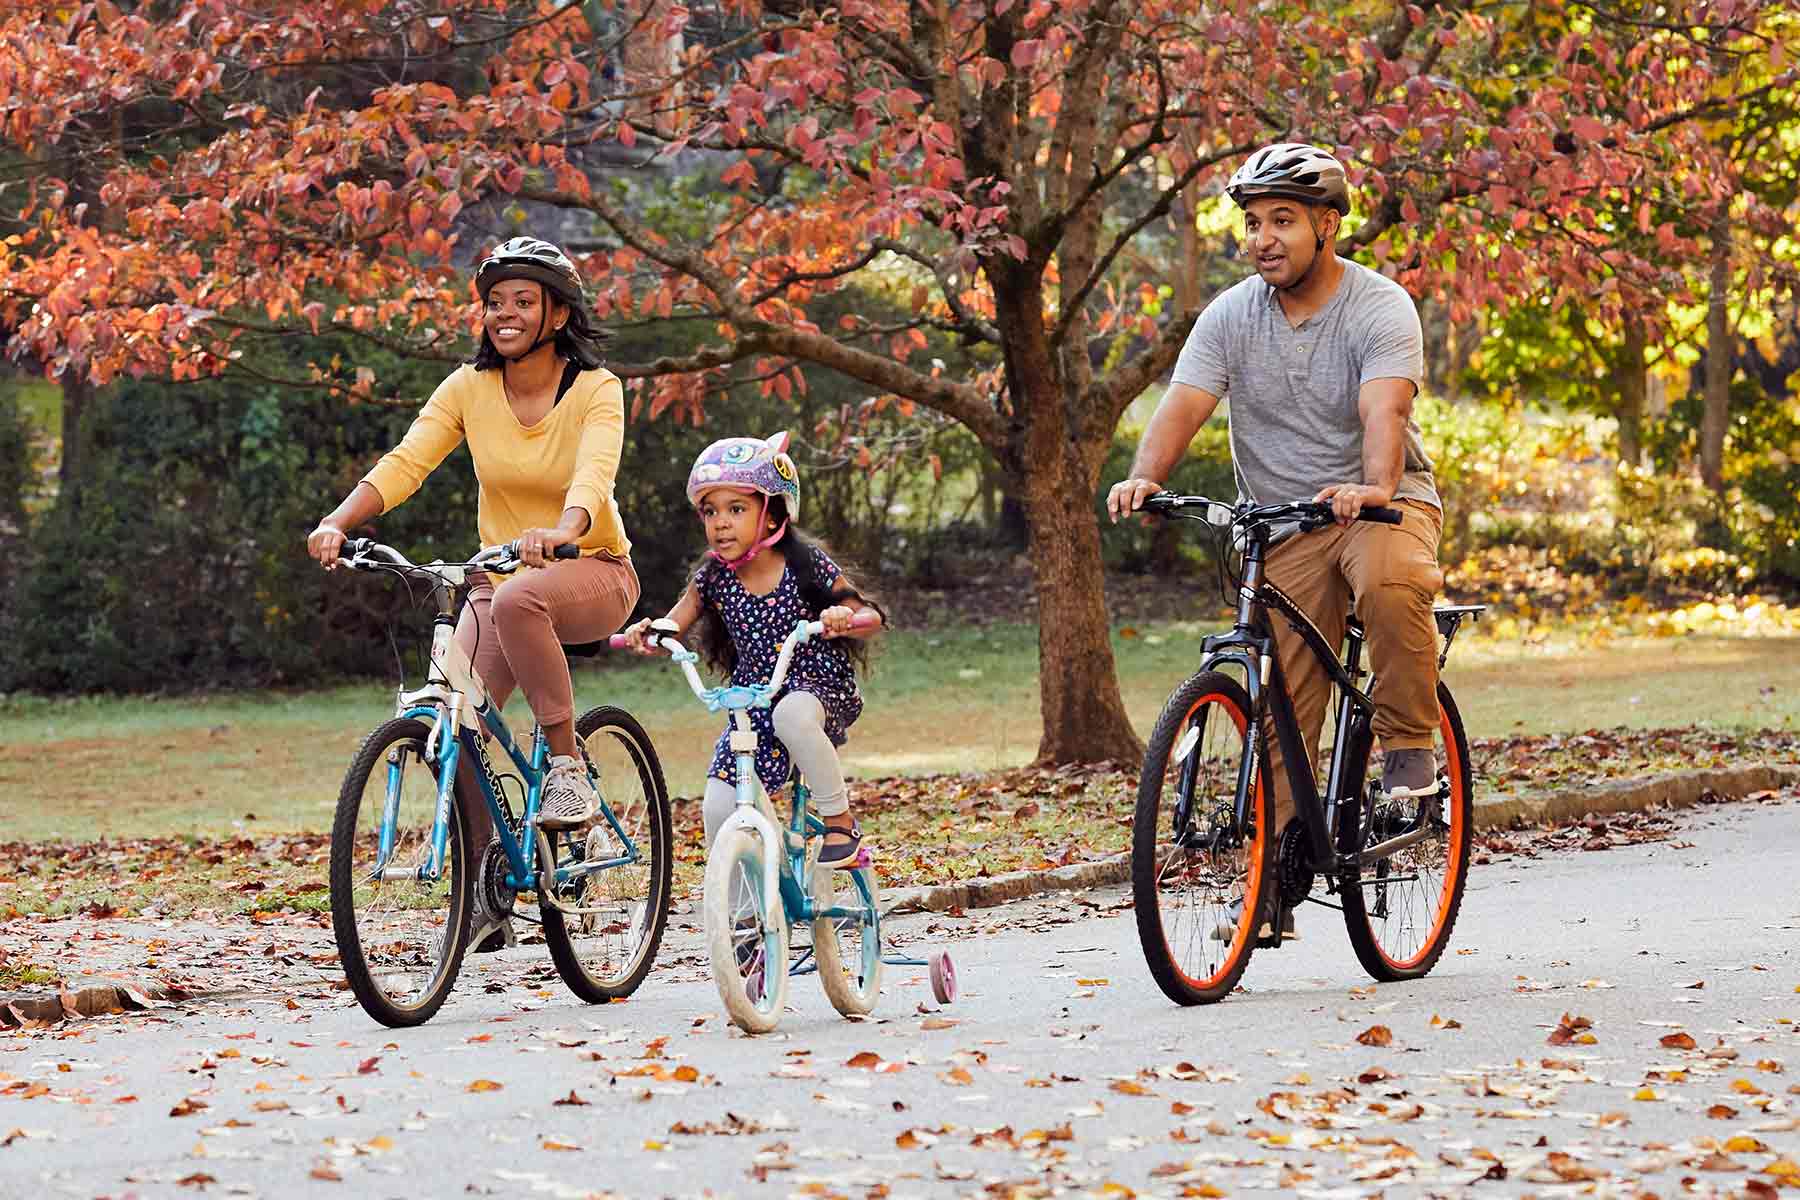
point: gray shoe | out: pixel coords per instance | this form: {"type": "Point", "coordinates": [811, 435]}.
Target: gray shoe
{"type": "Point", "coordinates": [1408, 774]}
{"type": "Point", "coordinates": [1226, 929]}
{"type": "Point", "coordinates": [569, 796]}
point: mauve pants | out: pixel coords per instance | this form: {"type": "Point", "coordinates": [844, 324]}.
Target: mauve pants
{"type": "Point", "coordinates": [514, 634]}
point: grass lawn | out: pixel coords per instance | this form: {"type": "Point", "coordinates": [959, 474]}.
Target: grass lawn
{"type": "Point", "coordinates": [961, 700]}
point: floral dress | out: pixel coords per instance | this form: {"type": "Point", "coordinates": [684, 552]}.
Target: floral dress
{"type": "Point", "coordinates": [757, 625]}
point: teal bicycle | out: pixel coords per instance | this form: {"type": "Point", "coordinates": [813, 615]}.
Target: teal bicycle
{"type": "Point", "coordinates": [404, 874]}
{"type": "Point", "coordinates": [763, 878]}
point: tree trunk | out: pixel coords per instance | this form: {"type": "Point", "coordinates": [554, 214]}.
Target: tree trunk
{"type": "Point", "coordinates": [1078, 683]}
{"type": "Point", "coordinates": [77, 390]}
{"type": "Point", "coordinates": [1631, 390]}
{"type": "Point", "coordinates": [1716, 416]}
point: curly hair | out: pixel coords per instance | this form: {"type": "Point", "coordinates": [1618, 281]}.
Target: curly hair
{"type": "Point", "coordinates": [803, 552]}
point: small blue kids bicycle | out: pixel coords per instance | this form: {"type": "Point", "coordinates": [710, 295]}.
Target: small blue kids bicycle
{"type": "Point", "coordinates": [404, 871]}
{"type": "Point", "coordinates": [753, 895]}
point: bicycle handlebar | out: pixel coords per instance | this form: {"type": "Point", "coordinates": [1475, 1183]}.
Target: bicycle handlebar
{"type": "Point", "coordinates": [1311, 514]}
{"type": "Point", "coordinates": [501, 560]}
{"type": "Point", "coordinates": [803, 631]}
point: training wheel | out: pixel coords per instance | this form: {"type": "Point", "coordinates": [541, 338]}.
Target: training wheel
{"type": "Point", "coordinates": [943, 977]}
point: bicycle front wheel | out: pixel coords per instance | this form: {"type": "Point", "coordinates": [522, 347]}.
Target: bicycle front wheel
{"type": "Point", "coordinates": [848, 947]}
{"type": "Point", "coordinates": [1399, 910]}
{"type": "Point", "coordinates": [746, 932]}
{"type": "Point", "coordinates": [1198, 874]}
{"type": "Point", "coordinates": [400, 935]}
{"type": "Point", "coordinates": [604, 936]}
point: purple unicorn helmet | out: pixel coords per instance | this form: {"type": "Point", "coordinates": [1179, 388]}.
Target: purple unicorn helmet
{"type": "Point", "coordinates": [747, 464]}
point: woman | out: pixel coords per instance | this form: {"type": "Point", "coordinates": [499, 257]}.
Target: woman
{"type": "Point", "coordinates": [545, 424]}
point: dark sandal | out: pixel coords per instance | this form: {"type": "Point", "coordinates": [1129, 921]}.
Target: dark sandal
{"type": "Point", "coordinates": [843, 854]}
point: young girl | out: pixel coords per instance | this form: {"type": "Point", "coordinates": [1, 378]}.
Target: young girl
{"type": "Point", "coordinates": [760, 576]}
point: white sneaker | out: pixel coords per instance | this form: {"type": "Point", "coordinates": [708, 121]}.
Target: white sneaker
{"type": "Point", "coordinates": [569, 795]}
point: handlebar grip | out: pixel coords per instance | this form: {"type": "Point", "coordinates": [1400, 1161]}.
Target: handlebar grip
{"type": "Point", "coordinates": [865, 618]}
{"type": "Point", "coordinates": [618, 641]}
{"type": "Point", "coordinates": [1380, 515]}
{"type": "Point", "coordinates": [566, 550]}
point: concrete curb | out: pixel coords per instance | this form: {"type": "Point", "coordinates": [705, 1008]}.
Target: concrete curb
{"type": "Point", "coordinates": [90, 996]}
{"type": "Point", "coordinates": [1677, 789]}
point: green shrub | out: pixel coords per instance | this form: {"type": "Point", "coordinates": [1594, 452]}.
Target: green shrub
{"type": "Point", "coordinates": [1166, 547]}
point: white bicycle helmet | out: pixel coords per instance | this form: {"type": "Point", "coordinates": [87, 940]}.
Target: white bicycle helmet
{"type": "Point", "coordinates": [1295, 170]}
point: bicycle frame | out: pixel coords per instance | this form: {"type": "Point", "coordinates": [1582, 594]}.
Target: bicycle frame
{"type": "Point", "coordinates": [1250, 645]}
{"type": "Point", "coordinates": [783, 872]}
{"type": "Point", "coordinates": [453, 697]}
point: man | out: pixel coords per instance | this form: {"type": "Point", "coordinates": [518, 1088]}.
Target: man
{"type": "Point", "coordinates": [1321, 359]}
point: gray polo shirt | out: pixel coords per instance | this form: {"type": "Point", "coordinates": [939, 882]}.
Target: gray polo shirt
{"type": "Point", "coordinates": [1292, 392]}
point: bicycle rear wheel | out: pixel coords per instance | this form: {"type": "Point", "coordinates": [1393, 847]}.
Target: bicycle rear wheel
{"type": "Point", "coordinates": [1198, 877]}
{"type": "Point", "coordinates": [746, 932]}
{"type": "Point", "coordinates": [1399, 911]}
{"type": "Point", "coordinates": [604, 950]}
{"type": "Point", "coordinates": [400, 938]}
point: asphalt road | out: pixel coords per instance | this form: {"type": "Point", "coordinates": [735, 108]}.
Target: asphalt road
{"type": "Point", "coordinates": [1060, 1070]}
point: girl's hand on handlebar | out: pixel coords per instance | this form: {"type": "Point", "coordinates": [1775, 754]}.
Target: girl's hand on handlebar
{"type": "Point", "coordinates": [840, 620]}
{"type": "Point", "coordinates": [324, 543]}
{"type": "Point", "coordinates": [637, 638]}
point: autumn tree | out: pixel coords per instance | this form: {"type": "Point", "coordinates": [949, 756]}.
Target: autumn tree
{"type": "Point", "coordinates": [1010, 172]}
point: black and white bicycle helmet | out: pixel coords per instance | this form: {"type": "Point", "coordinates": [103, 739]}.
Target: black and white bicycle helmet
{"type": "Point", "coordinates": [1295, 170]}
{"type": "Point", "coordinates": [530, 258]}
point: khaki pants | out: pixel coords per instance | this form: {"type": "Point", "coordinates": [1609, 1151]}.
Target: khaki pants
{"type": "Point", "coordinates": [1391, 573]}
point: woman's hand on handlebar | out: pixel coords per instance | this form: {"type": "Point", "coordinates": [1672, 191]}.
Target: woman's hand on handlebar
{"type": "Point", "coordinates": [1347, 500]}
{"type": "Point", "coordinates": [538, 546]}
{"type": "Point", "coordinates": [324, 543]}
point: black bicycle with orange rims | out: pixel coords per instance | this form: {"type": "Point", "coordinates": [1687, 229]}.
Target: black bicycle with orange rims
{"type": "Point", "coordinates": [1211, 878]}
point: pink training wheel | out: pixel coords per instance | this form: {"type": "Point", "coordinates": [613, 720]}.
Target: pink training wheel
{"type": "Point", "coordinates": [943, 977]}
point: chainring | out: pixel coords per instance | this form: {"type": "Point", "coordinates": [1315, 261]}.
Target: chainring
{"type": "Point", "coordinates": [1293, 865]}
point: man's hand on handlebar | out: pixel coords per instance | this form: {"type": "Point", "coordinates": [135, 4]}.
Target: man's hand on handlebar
{"type": "Point", "coordinates": [1127, 495]}
{"type": "Point", "coordinates": [1347, 500]}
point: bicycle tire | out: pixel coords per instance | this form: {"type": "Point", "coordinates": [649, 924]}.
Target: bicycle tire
{"type": "Point", "coordinates": [1236, 865]}
{"type": "Point", "coordinates": [634, 790]}
{"type": "Point", "coordinates": [852, 979]}
{"type": "Point", "coordinates": [377, 958]}
{"type": "Point", "coordinates": [746, 933]}
{"type": "Point", "coordinates": [1380, 930]}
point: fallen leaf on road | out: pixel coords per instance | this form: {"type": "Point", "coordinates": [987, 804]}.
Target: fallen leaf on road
{"type": "Point", "coordinates": [484, 1085]}
{"type": "Point", "coordinates": [1572, 1029]}
{"type": "Point", "coordinates": [1376, 1035]}
{"type": "Point", "coordinates": [1678, 1041]}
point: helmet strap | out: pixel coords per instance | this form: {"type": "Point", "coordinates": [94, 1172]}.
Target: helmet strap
{"type": "Point", "coordinates": [743, 560]}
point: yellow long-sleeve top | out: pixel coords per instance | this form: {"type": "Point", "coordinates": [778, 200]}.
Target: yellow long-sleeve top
{"type": "Point", "coordinates": [525, 477]}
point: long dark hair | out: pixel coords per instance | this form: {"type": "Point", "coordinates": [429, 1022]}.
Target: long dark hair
{"type": "Point", "coordinates": [578, 340]}
{"type": "Point", "coordinates": [802, 551]}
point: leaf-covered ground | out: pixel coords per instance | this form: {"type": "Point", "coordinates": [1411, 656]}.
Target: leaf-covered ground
{"type": "Point", "coordinates": [921, 829]}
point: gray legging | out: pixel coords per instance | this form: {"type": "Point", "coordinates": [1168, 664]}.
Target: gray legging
{"type": "Point", "coordinates": [800, 724]}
